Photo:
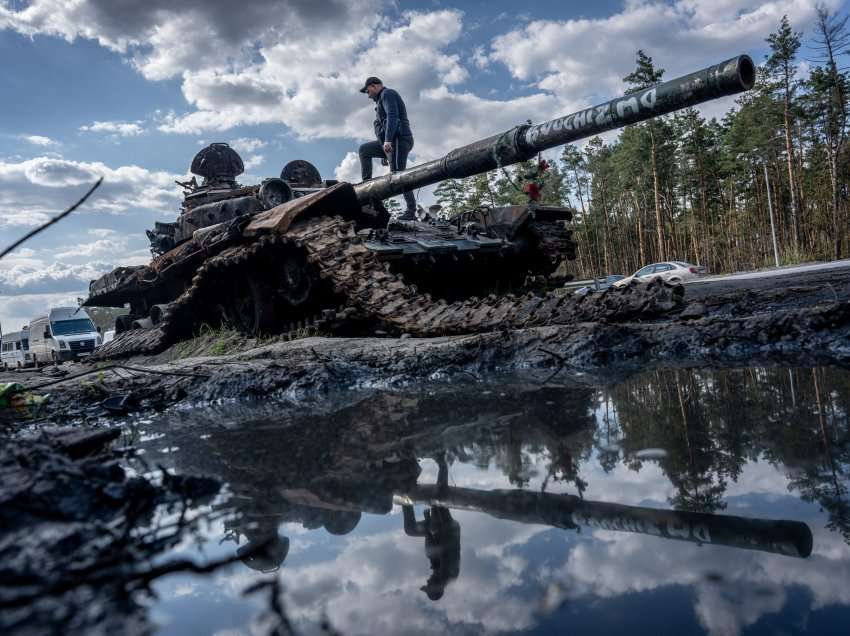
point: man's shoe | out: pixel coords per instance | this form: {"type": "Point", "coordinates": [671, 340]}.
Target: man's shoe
{"type": "Point", "coordinates": [409, 215]}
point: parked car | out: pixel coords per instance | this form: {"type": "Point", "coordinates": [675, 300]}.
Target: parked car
{"type": "Point", "coordinates": [669, 271]}
{"type": "Point", "coordinates": [599, 284]}
{"type": "Point", "coordinates": [15, 350]}
{"type": "Point", "coordinates": [66, 333]}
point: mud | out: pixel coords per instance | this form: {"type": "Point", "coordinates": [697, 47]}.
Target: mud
{"type": "Point", "coordinates": [308, 368]}
{"type": "Point", "coordinates": [79, 533]}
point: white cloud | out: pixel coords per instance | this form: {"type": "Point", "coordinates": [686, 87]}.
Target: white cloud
{"type": "Point", "coordinates": [479, 58]}
{"type": "Point", "coordinates": [585, 59]}
{"type": "Point", "coordinates": [42, 277]}
{"type": "Point", "coordinates": [299, 63]}
{"type": "Point", "coordinates": [349, 168]}
{"type": "Point", "coordinates": [247, 144]}
{"type": "Point", "coordinates": [23, 215]}
{"type": "Point", "coordinates": [165, 39]}
{"type": "Point", "coordinates": [253, 161]}
{"type": "Point", "coordinates": [372, 584]}
{"type": "Point", "coordinates": [69, 266]}
{"type": "Point", "coordinates": [35, 189]}
{"type": "Point", "coordinates": [103, 232]}
{"type": "Point", "coordinates": [39, 140]}
{"type": "Point", "coordinates": [117, 128]}
{"type": "Point", "coordinates": [100, 248]}
{"type": "Point", "coordinates": [17, 311]}
{"type": "Point", "coordinates": [310, 84]}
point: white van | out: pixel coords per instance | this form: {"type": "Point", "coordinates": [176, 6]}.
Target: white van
{"type": "Point", "coordinates": [66, 333]}
{"type": "Point", "coordinates": [14, 350]}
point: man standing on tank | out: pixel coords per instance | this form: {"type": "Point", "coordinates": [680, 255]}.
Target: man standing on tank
{"type": "Point", "coordinates": [394, 137]}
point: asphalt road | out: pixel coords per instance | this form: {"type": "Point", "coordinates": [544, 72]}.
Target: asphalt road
{"type": "Point", "coordinates": [831, 280]}
{"type": "Point", "coordinates": [816, 269]}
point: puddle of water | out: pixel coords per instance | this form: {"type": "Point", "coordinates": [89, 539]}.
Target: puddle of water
{"type": "Point", "coordinates": [677, 502]}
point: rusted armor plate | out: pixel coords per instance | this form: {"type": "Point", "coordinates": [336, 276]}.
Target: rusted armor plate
{"type": "Point", "coordinates": [369, 291]}
{"type": "Point", "coordinates": [327, 201]}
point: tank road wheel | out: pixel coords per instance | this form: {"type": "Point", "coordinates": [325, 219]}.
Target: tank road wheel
{"type": "Point", "coordinates": [296, 280]}
{"type": "Point", "coordinates": [253, 309]}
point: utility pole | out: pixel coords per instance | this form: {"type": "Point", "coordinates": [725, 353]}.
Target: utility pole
{"type": "Point", "coordinates": [770, 212]}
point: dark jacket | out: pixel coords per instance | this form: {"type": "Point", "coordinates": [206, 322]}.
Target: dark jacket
{"type": "Point", "coordinates": [391, 116]}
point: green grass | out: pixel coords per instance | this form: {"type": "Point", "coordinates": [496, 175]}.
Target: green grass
{"type": "Point", "coordinates": [217, 341]}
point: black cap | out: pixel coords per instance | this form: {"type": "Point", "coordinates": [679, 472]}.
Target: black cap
{"type": "Point", "coordinates": [370, 80]}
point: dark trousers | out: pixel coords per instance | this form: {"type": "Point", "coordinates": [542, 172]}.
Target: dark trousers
{"type": "Point", "coordinates": [398, 161]}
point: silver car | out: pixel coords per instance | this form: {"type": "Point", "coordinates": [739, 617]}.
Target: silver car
{"type": "Point", "coordinates": [669, 271]}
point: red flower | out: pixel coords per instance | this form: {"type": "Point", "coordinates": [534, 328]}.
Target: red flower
{"type": "Point", "coordinates": [532, 190]}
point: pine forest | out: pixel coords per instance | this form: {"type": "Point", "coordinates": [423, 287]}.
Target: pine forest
{"type": "Point", "coordinates": [686, 188]}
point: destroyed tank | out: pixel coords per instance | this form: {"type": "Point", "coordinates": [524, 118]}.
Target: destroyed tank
{"type": "Point", "coordinates": [297, 251]}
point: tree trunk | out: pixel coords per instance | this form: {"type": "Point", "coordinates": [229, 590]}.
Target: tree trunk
{"type": "Point", "coordinates": [789, 149]}
{"type": "Point", "coordinates": [833, 177]}
{"type": "Point", "coordinates": [801, 195]}
{"type": "Point", "coordinates": [658, 224]}
{"type": "Point", "coordinates": [578, 189]}
{"type": "Point", "coordinates": [606, 237]}
{"type": "Point", "coordinates": [639, 215]}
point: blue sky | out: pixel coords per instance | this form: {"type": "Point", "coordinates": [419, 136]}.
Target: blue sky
{"type": "Point", "coordinates": [131, 91]}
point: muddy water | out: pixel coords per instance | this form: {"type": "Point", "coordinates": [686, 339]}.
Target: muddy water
{"type": "Point", "coordinates": [676, 502]}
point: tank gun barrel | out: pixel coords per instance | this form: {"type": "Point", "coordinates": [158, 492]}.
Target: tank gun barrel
{"type": "Point", "coordinates": [523, 142]}
{"type": "Point", "coordinates": [789, 538]}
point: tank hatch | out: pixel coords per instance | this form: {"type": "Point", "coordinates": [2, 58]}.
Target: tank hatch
{"type": "Point", "coordinates": [219, 165]}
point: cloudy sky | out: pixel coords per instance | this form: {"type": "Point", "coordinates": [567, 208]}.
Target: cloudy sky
{"type": "Point", "coordinates": [132, 90]}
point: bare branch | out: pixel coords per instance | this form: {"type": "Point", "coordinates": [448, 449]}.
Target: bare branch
{"type": "Point", "coordinates": [55, 219]}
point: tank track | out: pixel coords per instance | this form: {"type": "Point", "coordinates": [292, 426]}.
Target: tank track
{"type": "Point", "coordinates": [370, 291]}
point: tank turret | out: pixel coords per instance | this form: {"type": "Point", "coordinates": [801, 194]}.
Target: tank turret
{"type": "Point", "coordinates": [219, 198]}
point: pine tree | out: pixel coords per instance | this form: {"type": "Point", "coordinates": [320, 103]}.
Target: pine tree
{"type": "Point", "coordinates": [555, 188]}
{"type": "Point", "coordinates": [479, 191]}
{"type": "Point", "coordinates": [784, 45]}
{"type": "Point", "coordinates": [598, 157]}
{"type": "Point", "coordinates": [574, 170]}
{"type": "Point", "coordinates": [832, 39]}
{"type": "Point", "coordinates": [645, 76]}
{"type": "Point", "coordinates": [451, 195]}
{"type": "Point", "coordinates": [508, 182]}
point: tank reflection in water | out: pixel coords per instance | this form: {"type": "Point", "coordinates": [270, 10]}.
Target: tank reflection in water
{"type": "Point", "coordinates": [524, 508]}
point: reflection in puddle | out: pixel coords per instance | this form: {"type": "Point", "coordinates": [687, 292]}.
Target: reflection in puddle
{"type": "Point", "coordinates": [691, 501]}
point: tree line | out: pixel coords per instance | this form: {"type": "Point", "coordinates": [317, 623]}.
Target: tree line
{"type": "Point", "coordinates": [683, 187]}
